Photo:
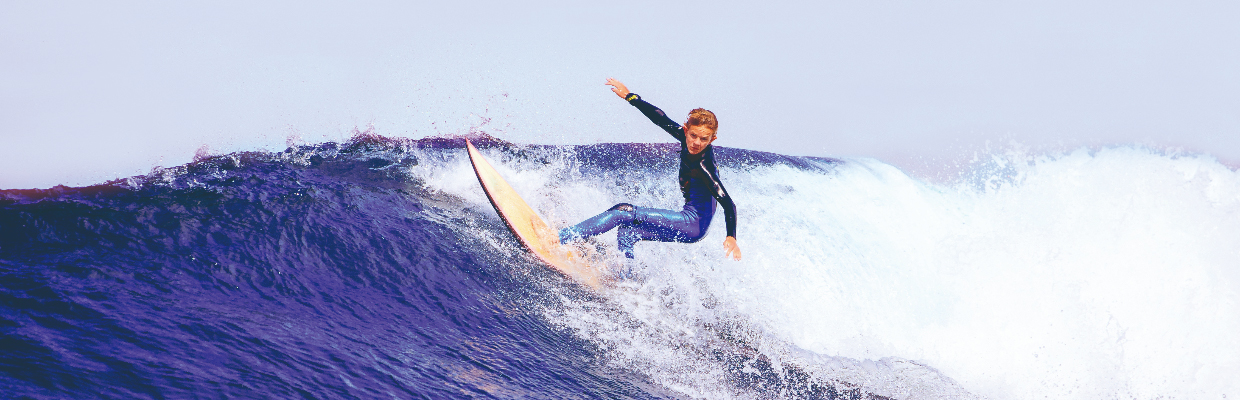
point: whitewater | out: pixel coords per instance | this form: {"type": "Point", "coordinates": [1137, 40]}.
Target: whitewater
{"type": "Point", "coordinates": [377, 268]}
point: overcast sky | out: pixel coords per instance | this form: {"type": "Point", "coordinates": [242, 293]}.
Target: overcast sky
{"type": "Point", "coordinates": [102, 90]}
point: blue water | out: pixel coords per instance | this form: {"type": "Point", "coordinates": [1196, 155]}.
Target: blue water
{"type": "Point", "coordinates": [376, 268]}
{"type": "Point", "coordinates": [324, 271]}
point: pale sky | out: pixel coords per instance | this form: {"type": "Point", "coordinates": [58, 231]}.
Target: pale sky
{"type": "Point", "coordinates": [92, 91]}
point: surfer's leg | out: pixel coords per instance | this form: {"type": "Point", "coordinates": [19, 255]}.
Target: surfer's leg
{"type": "Point", "coordinates": [619, 214]}
{"type": "Point", "coordinates": [629, 235]}
{"type": "Point", "coordinates": [657, 225]}
{"type": "Point", "coordinates": [626, 237]}
{"type": "Point", "coordinates": [637, 224]}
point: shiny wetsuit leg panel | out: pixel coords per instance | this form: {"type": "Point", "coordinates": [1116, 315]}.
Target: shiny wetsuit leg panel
{"type": "Point", "coordinates": [641, 223]}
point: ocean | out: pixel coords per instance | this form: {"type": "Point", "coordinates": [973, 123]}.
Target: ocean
{"type": "Point", "coordinates": [376, 268]}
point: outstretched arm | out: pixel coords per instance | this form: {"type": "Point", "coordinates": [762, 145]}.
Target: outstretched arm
{"type": "Point", "coordinates": [729, 243]}
{"type": "Point", "coordinates": [729, 207]}
{"type": "Point", "coordinates": [654, 113]}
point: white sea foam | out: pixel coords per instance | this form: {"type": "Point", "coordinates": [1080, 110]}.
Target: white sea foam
{"type": "Point", "coordinates": [1090, 275]}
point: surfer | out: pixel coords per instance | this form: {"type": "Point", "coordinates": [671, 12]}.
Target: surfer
{"type": "Point", "coordinates": [699, 183]}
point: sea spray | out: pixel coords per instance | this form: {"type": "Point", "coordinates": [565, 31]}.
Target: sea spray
{"type": "Point", "coordinates": [1108, 273]}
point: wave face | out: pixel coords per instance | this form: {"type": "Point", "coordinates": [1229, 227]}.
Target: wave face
{"type": "Point", "coordinates": [377, 269]}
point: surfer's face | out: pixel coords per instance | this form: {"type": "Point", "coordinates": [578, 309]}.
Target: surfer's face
{"type": "Point", "coordinates": [697, 138]}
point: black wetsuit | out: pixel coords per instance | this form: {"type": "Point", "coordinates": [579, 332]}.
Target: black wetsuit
{"type": "Point", "coordinates": [699, 183]}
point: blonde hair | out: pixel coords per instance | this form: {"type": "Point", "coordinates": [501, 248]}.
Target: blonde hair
{"type": "Point", "coordinates": [702, 117]}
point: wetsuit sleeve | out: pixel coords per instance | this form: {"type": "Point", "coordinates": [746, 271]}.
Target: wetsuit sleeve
{"type": "Point", "coordinates": [721, 194]}
{"type": "Point", "coordinates": [729, 208]}
{"type": "Point", "coordinates": [657, 116]}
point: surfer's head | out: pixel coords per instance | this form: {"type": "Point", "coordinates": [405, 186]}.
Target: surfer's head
{"type": "Point", "coordinates": [700, 130]}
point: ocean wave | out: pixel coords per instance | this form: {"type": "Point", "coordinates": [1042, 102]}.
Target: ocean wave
{"type": "Point", "coordinates": [377, 268]}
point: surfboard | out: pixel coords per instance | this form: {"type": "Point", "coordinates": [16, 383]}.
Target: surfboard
{"type": "Point", "coordinates": [530, 229]}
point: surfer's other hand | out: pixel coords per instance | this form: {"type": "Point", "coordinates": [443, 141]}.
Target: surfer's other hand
{"type": "Point", "coordinates": [732, 249]}
{"type": "Point", "coordinates": [618, 88]}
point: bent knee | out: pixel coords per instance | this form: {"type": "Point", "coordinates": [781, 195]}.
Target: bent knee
{"type": "Point", "coordinates": [622, 207]}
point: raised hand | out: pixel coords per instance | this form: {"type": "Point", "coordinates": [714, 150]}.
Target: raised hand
{"type": "Point", "coordinates": [618, 88]}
